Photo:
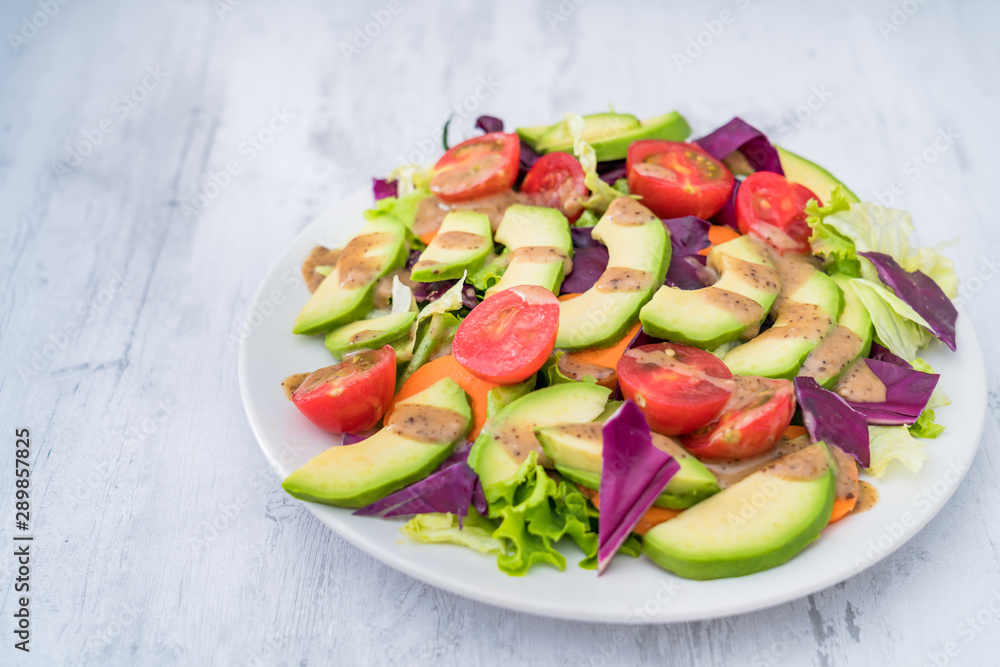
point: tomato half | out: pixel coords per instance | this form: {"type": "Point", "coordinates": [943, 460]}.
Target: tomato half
{"type": "Point", "coordinates": [677, 179]}
{"type": "Point", "coordinates": [556, 180]}
{"type": "Point", "coordinates": [679, 388]}
{"type": "Point", "coordinates": [750, 424]}
{"type": "Point", "coordinates": [775, 210]}
{"type": "Point", "coordinates": [507, 337]}
{"type": "Point", "coordinates": [479, 167]}
{"type": "Point", "coordinates": [351, 396]}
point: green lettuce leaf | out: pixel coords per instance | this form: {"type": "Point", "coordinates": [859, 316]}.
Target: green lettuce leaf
{"type": "Point", "coordinates": [938, 397]}
{"type": "Point", "coordinates": [894, 443]}
{"type": "Point", "coordinates": [500, 397]}
{"type": "Point", "coordinates": [898, 326]}
{"type": "Point", "coordinates": [925, 426]}
{"type": "Point", "coordinates": [476, 531]}
{"type": "Point", "coordinates": [602, 194]}
{"type": "Point", "coordinates": [535, 512]}
{"type": "Point", "coordinates": [491, 273]}
{"type": "Point", "coordinates": [432, 330]}
{"type": "Point", "coordinates": [551, 375]}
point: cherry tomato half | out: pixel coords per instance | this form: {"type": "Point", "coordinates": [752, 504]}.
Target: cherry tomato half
{"type": "Point", "coordinates": [556, 180]}
{"type": "Point", "coordinates": [351, 396]}
{"type": "Point", "coordinates": [775, 210]}
{"type": "Point", "coordinates": [751, 422]}
{"type": "Point", "coordinates": [677, 179]}
{"type": "Point", "coordinates": [680, 388]}
{"type": "Point", "coordinates": [507, 337]}
{"type": "Point", "coordinates": [479, 167]}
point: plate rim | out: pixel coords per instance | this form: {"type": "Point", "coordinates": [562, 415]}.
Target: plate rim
{"type": "Point", "coordinates": [502, 599]}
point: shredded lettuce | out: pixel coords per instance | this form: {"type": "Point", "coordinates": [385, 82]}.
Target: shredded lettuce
{"type": "Point", "coordinates": [551, 375]}
{"type": "Point", "coordinates": [602, 194]}
{"type": "Point", "coordinates": [501, 396]}
{"type": "Point", "coordinates": [894, 443]}
{"type": "Point", "coordinates": [898, 326]}
{"type": "Point", "coordinates": [925, 426]}
{"type": "Point", "coordinates": [535, 512]}
{"type": "Point", "coordinates": [442, 320]}
{"type": "Point", "coordinates": [491, 272]}
{"type": "Point", "coordinates": [475, 533]}
{"type": "Point", "coordinates": [402, 208]}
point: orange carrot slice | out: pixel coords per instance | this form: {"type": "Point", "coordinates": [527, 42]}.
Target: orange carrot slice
{"type": "Point", "coordinates": [718, 234]}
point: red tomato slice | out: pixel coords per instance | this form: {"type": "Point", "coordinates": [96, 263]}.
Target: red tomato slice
{"type": "Point", "coordinates": [476, 168]}
{"type": "Point", "coordinates": [351, 396]}
{"type": "Point", "coordinates": [556, 180]}
{"type": "Point", "coordinates": [507, 337]}
{"type": "Point", "coordinates": [775, 210]}
{"type": "Point", "coordinates": [677, 179]}
{"type": "Point", "coordinates": [751, 423]}
{"type": "Point", "coordinates": [680, 388]}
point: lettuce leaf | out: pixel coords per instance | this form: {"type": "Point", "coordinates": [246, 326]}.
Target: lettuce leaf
{"type": "Point", "coordinates": [442, 320]}
{"type": "Point", "coordinates": [500, 397]}
{"type": "Point", "coordinates": [535, 512]}
{"type": "Point", "coordinates": [894, 443]}
{"type": "Point", "coordinates": [491, 272]}
{"type": "Point", "coordinates": [602, 194]}
{"type": "Point", "coordinates": [476, 532]}
{"type": "Point", "coordinates": [938, 398]}
{"type": "Point", "coordinates": [898, 326]}
{"type": "Point", "coordinates": [925, 426]}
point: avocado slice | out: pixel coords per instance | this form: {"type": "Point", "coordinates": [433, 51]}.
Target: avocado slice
{"type": "Point", "coordinates": [807, 312]}
{"type": "Point", "coordinates": [800, 170]}
{"type": "Point", "coordinates": [734, 306]}
{"type": "Point", "coordinates": [850, 340]}
{"type": "Point", "coordinates": [347, 293]}
{"type": "Point", "coordinates": [639, 252]}
{"type": "Point", "coordinates": [462, 243]}
{"type": "Point", "coordinates": [506, 440]}
{"type": "Point", "coordinates": [539, 240]}
{"type": "Point", "coordinates": [575, 449]}
{"type": "Point", "coordinates": [758, 523]}
{"type": "Point", "coordinates": [368, 334]}
{"type": "Point", "coordinates": [610, 134]}
{"type": "Point", "coordinates": [421, 432]}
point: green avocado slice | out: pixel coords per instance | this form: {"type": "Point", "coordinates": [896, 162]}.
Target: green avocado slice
{"type": "Point", "coordinates": [610, 134]}
{"type": "Point", "coordinates": [346, 294]}
{"type": "Point", "coordinates": [800, 170]}
{"type": "Point", "coordinates": [462, 243]}
{"type": "Point", "coordinates": [368, 334]}
{"type": "Point", "coordinates": [539, 240]}
{"type": "Point", "coordinates": [850, 340]}
{"type": "Point", "coordinates": [758, 523]}
{"type": "Point", "coordinates": [734, 306]}
{"type": "Point", "coordinates": [575, 449]}
{"type": "Point", "coordinates": [639, 252]}
{"type": "Point", "coordinates": [395, 456]}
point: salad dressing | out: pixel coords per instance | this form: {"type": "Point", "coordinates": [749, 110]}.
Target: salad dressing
{"type": "Point", "coordinates": [539, 254]}
{"type": "Point", "coordinates": [431, 210]}
{"type": "Point", "coordinates": [459, 241]}
{"type": "Point", "coordinates": [624, 279]}
{"type": "Point", "coordinates": [746, 311]}
{"type": "Point", "coordinates": [628, 212]}
{"type": "Point", "coordinates": [803, 320]}
{"type": "Point", "coordinates": [836, 351]}
{"type": "Point", "coordinates": [519, 440]}
{"type": "Point", "coordinates": [793, 270]}
{"type": "Point", "coordinates": [363, 336]}
{"type": "Point", "coordinates": [361, 260]}
{"type": "Point", "coordinates": [426, 423]}
{"type": "Point", "coordinates": [846, 486]}
{"type": "Point", "coordinates": [293, 382]}
{"type": "Point", "coordinates": [666, 359]}
{"type": "Point", "coordinates": [860, 384]}
{"type": "Point", "coordinates": [761, 278]}
{"type": "Point", "coordinates": [729, 471]}
{"type": "Point", "coordinates": [319, 256]}
{"type": "Point", "coordinates": [867, 497]}
{"type": "Point", "coordinates": [804, 466]}
{"type": "Point", "coordinates": [575, 369]}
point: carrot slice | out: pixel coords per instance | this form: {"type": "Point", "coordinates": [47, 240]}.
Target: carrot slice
{"type": "Point", "coordinates": [794, 431]}
{"type": "Point", "coordinates": [607, 356]}
{"type": "Point", "coordinates": [719, 234]}
{"type": "Point", "coordinates": [844, 504]}
{"type": "Point", "coordinates": [567, 297]}
{"type": "Point", "coordinates": [442, 367]}
{"type": "Point", "coordinates": [654, 516]}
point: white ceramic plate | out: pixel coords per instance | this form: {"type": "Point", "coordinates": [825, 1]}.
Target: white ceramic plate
{"type": "Point", "coordinates": [632, 590]}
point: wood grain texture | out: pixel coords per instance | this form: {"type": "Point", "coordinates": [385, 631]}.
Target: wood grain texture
{"type": "Point", "coordinates": [162, 535]}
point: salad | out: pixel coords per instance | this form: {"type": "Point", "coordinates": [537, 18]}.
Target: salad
{"type": "Point", "coordinates": [600, 331]}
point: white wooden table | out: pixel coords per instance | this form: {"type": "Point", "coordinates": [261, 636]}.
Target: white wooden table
{"type": "Point", "coordinates": [129, 250]}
